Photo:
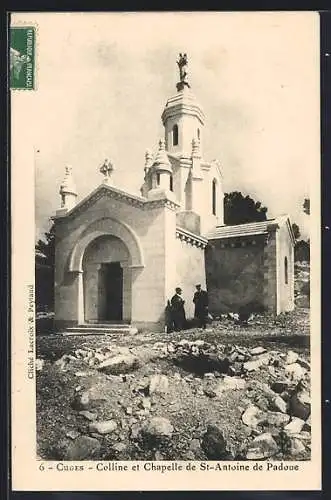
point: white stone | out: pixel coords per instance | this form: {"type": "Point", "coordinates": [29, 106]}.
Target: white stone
{"type": "Point", "coordinates": [228, 383]}
{"type": "Point", "coordinates": [83, 374]}
{"type": "Point", "coordinates": [256, 363]}
{"type": "Point", "coordinates": [145, 403]}
{"type": "Point", "coordinates": [158, 427]}
{"type": "Point", "coordinates": [119, 364]}
{"type": "Point", "coordinates": [303, 436]}
{"type": "Point", "coordinates": [295, 426]}
{"type": "Point", "coordinates": [39, 364]}
{"type": "Point", "coordinates": [159, 384]}
{"type": "Point", "coordinates": [119, 447]}
{"type": "Point", "coordinates": [183, 342]}
{"type": "Point", "coordinates": [103, 427]}
{"type": "Point", "coordinates": [263, 446]}
{"type": "Point", "coordinates": [199, 343]}
{"type": "Point", "coordinates": [100, 357]}
{"type": "Point", "coordinates": [72, 434]}
{"type": "Point", "coordinates": [279, 404]}
{"type": "Point", "coordinates": [295, 371]}
{"type": "Point", "coordinates": [257, 350]}
{"type": "Point", "coordinates": [88, 415]}
{"type": "Point", "coordinates": [63, 361]}
{"type": "Point", "coordinates": [252, 416]}
{"type": "Point", "coordinates": [305, 364]}
{"type": "Point", "coordinates": [275, 419]}
{"type": "Point", "coordinates": [158, 345]}
{"type": "Point", "coordinates": [291, 357]}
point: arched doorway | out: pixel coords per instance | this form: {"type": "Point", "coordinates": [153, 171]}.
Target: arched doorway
{"type": "Point", "coordinates": [106, 259]}
{"type": "Point", "coordinates": [107, 280]}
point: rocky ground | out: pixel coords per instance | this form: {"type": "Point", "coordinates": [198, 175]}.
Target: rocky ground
{"type": "Point", "coordinates": [232, 392]}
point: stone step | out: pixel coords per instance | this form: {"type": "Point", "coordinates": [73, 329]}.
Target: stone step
{"type": "Point", "coordinates": [100, 329]}
{"type": "Point", "coordinates": [118, 326]}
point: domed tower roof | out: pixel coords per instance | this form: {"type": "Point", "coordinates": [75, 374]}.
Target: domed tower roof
{"type": "Point", "coordinates": [184, 101]}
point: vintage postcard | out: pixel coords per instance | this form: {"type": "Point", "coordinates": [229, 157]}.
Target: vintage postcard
{"type": "Point", "coordinates": [165, 176]}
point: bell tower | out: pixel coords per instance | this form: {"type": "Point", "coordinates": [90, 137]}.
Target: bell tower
{"type": "Point", "coordinates": [183, 117]}
{"type": "Point", "coordinates": [179, 171]}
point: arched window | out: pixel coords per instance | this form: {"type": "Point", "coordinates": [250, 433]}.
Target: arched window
{"type": "Point", "coordinates": [198, 134]}
{"type": "Point", "coordinates": [286, 270]}
{"type": "Point", "coordinates": [175, 135]}
{"type": "Point", "coordinates": [171, 186]}
{"type": "Point", "coordinates": [214, 194]}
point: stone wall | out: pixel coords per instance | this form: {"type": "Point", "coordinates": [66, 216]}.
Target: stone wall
{"type": "Point", "coordinates": [285, 290]}
{"type": "Point", "coordinates": [271, 273]}
{"type": "Point", "coordinates": [235, 274]}
{"type": "Point", "coordinates": [188, 262]}
{"type": "Point", "coordinates": [189, 220]}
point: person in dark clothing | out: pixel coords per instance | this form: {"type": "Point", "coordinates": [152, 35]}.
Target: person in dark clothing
{"type": "Point", "coordinates": [169, 322]}
{"type": "Point", "coordinates": [200, 300]}
{"type": "Point", "coordinates": [178, 311]}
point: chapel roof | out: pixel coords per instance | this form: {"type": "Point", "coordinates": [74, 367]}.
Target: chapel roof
{"type": "Point", "coordinates": [250, 228]}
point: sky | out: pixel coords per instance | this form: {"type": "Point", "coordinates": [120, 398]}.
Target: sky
{"type": "Point", "coordinates": [103, 80]}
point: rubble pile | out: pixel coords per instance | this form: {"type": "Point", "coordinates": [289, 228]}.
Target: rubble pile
{"type": "Point", "coordinates": [184, 400]}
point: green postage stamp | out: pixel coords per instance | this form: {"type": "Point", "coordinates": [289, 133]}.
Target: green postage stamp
{"type": "Point", "coordinates": [22, 57]}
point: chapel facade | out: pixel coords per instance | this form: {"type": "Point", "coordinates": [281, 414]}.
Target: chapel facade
{"type": "Point", "coordinates": [119, 256]}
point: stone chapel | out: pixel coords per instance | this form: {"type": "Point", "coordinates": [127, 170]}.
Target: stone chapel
{"type": "Point", "coordinates": [119, 256]}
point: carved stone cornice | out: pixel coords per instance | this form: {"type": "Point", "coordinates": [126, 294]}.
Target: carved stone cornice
{"type": "Point", "coordinates": [116, 194]}
{"type": "Point", "coordinates": [240, 241]}
{"type": "Point", "coordinates": [161, 203]}
{"type": "Point", "coordinates": [191, 238]}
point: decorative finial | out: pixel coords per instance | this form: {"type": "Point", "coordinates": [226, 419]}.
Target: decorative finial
{"type": "Point", "coordinates": [183, 73]}
{"type": "Point", "coordinates": [106, 170]}
{"type": "Point", "coordinates": [68, 190]}
{"type": "Point", "coordinates": [162, 161]}
{"type": "Point", "coordinates": [148, 160]}
{"type": "Point", "coordinates": [68, 185]}
{"type": "Point", "coordinates": [217, 163]}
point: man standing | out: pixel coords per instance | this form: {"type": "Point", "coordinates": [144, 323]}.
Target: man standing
{"type": "Point", "coordinates": [178, 311]}
{"type": "Point", "coordinates": [200, 300]}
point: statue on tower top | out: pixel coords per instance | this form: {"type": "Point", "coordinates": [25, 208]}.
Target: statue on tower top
{"type": "Point", "coordinates": [183, 74]}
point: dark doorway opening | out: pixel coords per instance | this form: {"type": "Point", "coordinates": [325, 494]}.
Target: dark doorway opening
{"type": "Point", "coordinates": [110, 292]}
